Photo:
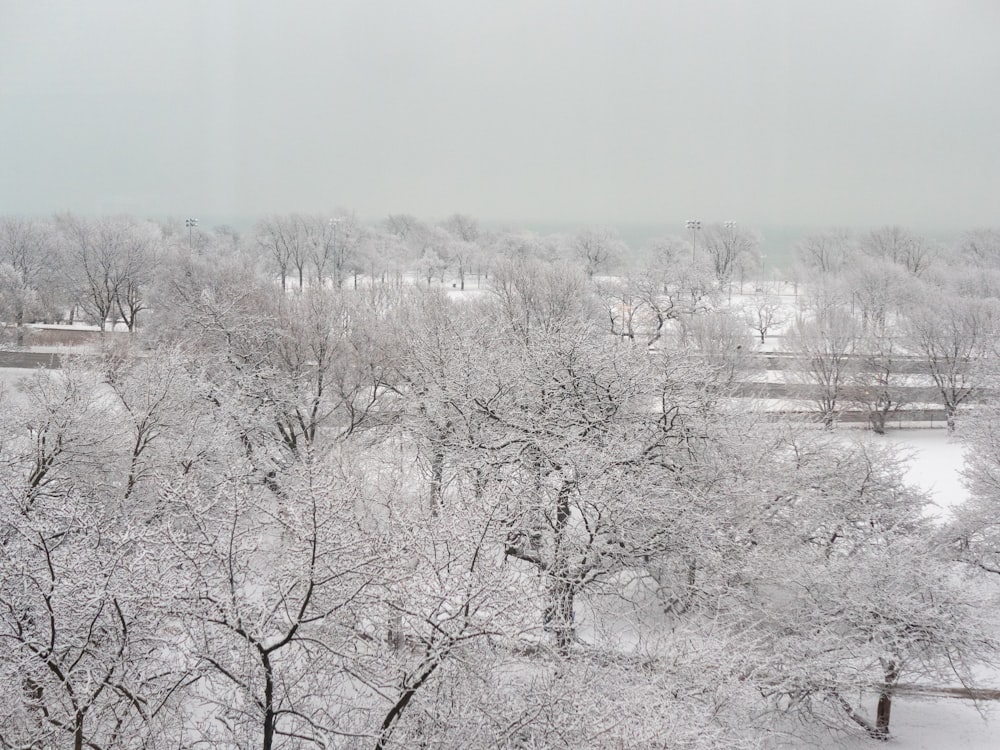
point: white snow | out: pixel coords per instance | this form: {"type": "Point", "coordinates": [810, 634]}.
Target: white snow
{"type": "Point", "coordinates": [937, 724]}
{"type": "Point", "coordinates": [935, 460]}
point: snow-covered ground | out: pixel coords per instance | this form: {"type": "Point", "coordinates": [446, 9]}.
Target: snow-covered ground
{"type": "Point", "coordinates": [935, 462]}
{"type": "Point", "coordinates": [937, 724]}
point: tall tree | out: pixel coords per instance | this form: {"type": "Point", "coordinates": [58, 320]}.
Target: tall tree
{"type": "Point", "coordinates": [826, 252]}
{"type": "Point", "coordinates": [953, 335]}
{"type": "Point", "coordinates": [112, 261]}
{"type": "Point", "coordinates": [276, 586]}
{"type": "Point", "coordinates": [596, 248]}
{"type": "Point", "coordinates": [827, 341]}
{"type": "Point", "coordinates": [27, 266]}
{"type": "Point", "coordinates": [729, 247]}
{"type": "Point", "coordinates": [897, 245]}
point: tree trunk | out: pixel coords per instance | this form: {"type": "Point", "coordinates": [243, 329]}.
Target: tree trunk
{"type": "Point", "coordinates": [78, 730]}
{"type": "Point", "coordinates": [885, 701]}
{"type": "Point", "coordinates": [411, 686]}
{"type": "Point", "coordinates": [394, 633]}
{"type": "Point", "coordinates": [437, 478]}
{"type": "Point", "coordinates": [877, 421]}
{"type": "Point", "coordinates": [269, 717]}
{"type": "Point", "coordinates": [950, 411]}
{"type": "Point", "coordinates": [829, 418]}
{"type": "Point", "coordinates": [558, 616]}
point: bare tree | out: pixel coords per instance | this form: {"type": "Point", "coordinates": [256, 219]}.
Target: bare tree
{"type": "Point", "coordinates": [880, 290]}
{"type": "Point", "coordinates": [82, 658]}
{"type": "Point", "coordinates": [275, 587]}
{"type": "Point", "coordinates": [672, 288]}
{"type": "Point", "coordinates": [27, 265]}
{"type": "Point", "coordinates": [287, 241]}
{"type": "Point", "coordinates": [92, 247]}
{"type": "Point", "coordinates": [596, 248]}
{"type": "Point", "coordinates": [536, 297]}
{"type": "Point", "coordinates": [625, 304]}
{"type": "Point", "coordinates": [895, 244]}
{"type": "Point", "coordinates": [953, 334]}
{"type": "Point", "coordinates": [728, 246]}
{"type": "Point", "coordinates": [981, 247]}
{"type": "Point", "coordinates": [827, 342]}
{"type": "Point", "coordinates": [765, 309]}
{"type": "Point", "coordinates": [826, 252]}
{"type": "Point", "coordinates": [464, 250]}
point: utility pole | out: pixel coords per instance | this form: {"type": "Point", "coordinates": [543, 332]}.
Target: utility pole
{"type": "Point", "coordinates": [694, 225]}
{"type": "Point", "coordinates": [190, 224]}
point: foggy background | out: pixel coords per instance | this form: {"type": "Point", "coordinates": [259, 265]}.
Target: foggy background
{"type": "Point", "coordinates": [787, 115]}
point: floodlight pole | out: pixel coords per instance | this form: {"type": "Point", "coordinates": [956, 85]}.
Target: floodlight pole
{"type": "Point", "coordinates": [190, 224]}
{"type": "Point", "coordinates": [694, 225]}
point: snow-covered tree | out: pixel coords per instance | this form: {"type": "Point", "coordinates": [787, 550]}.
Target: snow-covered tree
{"type": "Point", "coordinates": [765, 309]}
{"type": "Point", "coordinates": [596, 248]}
{"type": "Point", "coordinates": [729, 247]}
{"type": "Point", "coordinates": [276, 589]}
{"type": "Point", "coordinates": [854, 594]}
{"type": "Point", "coordinates": [826, 341]}
{"type": "Point", "coordinates": [954, 335]}
{"type": "Point", "coordinates": [28, 261]}
{"type": "Point", "coordinates": [112, 262]}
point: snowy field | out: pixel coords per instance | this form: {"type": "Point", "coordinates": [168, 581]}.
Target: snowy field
{"type": "Point", "coordinates": [934, 463]}
{"type": "Point", "coordinates": [937, 724]}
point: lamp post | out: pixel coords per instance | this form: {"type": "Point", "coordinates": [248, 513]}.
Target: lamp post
{"type": "Point", "coordinates": [694, 225]}
{"type": "Point", "coordinates": [190, 224]}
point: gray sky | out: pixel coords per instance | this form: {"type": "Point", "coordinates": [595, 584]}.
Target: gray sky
{"type": "Point", "coordinates": [804, 112]}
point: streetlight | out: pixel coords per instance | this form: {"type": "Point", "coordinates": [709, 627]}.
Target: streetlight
{"type": "Point", "coordinates": [190, 224]}
{"type": "Point", "coordinates": [694, 225]}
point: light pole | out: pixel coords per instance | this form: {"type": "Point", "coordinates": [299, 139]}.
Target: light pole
{"type": "Point", "coordinates": [190, 224]}
{"type": "Point", "coordinates": [694, 225]}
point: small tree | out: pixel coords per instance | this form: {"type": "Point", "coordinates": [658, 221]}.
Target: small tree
{"type": "Point", "coordinates": [953, 335]}
{"type": "Point", "coordinates": [826, 342]}
{"type": "Point", "coordinates": [764, 310]}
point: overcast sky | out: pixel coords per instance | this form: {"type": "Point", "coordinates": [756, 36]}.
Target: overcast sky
{"type": "Point", "coordinates": [800, 112]}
